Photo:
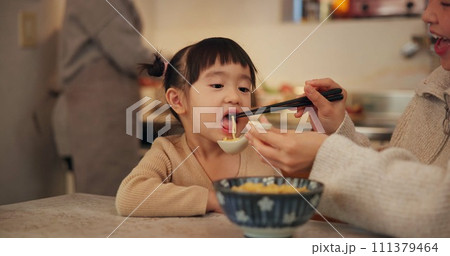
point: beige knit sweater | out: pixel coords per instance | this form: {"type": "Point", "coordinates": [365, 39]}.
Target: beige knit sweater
{"type": "Point", "coordinates": [185, 192]}
{"type": "Point", "coordinates": [404, 190]}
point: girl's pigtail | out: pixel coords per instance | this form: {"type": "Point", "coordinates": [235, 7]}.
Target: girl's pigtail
{"type": "Point", "coordinates": [156, 69]}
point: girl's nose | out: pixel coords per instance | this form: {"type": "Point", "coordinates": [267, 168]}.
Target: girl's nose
{"type": "Point", "coordinates": [428, 16]}
{"type": "Point", "coordinates": [232, 97]}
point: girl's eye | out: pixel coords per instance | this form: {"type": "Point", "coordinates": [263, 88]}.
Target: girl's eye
{"type": "Point", "coordinates": [217, 86]}
{"type": "Point", "coordinates": [445, 3]}
{"type": "Point", "coordinates": [244, 89]}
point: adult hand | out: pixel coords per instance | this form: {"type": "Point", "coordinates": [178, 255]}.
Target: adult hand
{"type": "Point", "coordinates": [331, 114]}
{"type": "Point", "coordinates": [293, 153]}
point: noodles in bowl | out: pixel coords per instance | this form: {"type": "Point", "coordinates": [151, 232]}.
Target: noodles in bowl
{"type": "Point", "coordinates": [270, 189]}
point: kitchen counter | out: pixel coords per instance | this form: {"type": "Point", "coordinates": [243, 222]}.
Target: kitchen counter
{"type": "Point", "coordinates": [85, 215]}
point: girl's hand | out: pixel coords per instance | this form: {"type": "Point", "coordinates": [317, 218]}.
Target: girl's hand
{"type": "Point", "coordinates": [331, 114]}
{"type": "Point", "coordinates": [293, 153]}
{"type": "Point", "coordinates": [213, 205]}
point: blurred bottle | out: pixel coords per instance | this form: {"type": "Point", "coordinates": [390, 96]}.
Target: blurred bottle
{"type": "Point", "coordinates": [342, 8]}
{"type": "Point", "coordinates": [311, 10]}
{"type": "Point", "coordinates": [292, 11]}
{"type": "Point", "coordinates": [325, 9]}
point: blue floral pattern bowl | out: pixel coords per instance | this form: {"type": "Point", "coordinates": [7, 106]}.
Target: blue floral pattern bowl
{"type": "Point", "coordinates": [264, 214]}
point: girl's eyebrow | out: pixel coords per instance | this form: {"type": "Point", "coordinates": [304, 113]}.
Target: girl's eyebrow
{"type": "Point", "coordinates": [215, 73]}
{"type": "Point", "coordinates": [222, 73]}
{"type": "Point", "coordinates": [246, 77]}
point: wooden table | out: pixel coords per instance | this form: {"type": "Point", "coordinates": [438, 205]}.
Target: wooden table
{"type": "Point", "coordinates": [85, 215]}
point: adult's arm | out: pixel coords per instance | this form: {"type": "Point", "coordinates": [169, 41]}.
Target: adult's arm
{"type": "Point", "coordinates": [388, 192]}
{"type": "Point", "coordinates": [347, 129]}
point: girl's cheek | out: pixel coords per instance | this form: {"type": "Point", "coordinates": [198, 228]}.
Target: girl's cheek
{"type": "Point", "coordinates": [248, 101]}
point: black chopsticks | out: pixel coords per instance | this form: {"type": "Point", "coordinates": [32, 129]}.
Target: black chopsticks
{"type": "Point", "coordinates": [331, 95]}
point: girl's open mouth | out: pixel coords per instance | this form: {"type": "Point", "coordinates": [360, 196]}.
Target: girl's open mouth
{"type": "Point", "coordinates": [227, 122]}
{"type": "Point", "coordinates": [442, 45]}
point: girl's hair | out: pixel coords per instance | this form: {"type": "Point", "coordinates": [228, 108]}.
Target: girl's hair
{"type": "Point", "coordinates": [187, 64]}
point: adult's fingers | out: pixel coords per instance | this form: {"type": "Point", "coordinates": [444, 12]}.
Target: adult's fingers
{"type": "Point", "coordinates": [325, 84]}
{"type": "Point", "coordinates": [265, 150]}
{"type": "Point", "coordinates": [300, 112]}
{"type": "Point", "coordinates": [273, 162]}
{"type": "Point", "coordinates": [272, 137]}
{"type": "Point", "coordinates": [279, 167]}
{"type": "Point", "coordinates": [316, 98]}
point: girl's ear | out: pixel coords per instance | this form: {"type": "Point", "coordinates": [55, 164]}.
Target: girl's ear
{"type": "Point", "coordinates": [175, 98]}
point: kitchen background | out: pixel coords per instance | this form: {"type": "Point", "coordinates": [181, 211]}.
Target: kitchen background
{"type": "Point", "coordinates": [362, 54]}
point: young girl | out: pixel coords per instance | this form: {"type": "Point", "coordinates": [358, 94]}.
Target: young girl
{"type": "Point", "coordinates": [401, 191]}
{"type": "Point", "coordinates": [175, 176]}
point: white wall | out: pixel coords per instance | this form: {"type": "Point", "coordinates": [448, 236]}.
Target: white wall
{"type": "Point", "coordinates": [360, 54]}
{"type": "Point", "coordinates": [29, 167]}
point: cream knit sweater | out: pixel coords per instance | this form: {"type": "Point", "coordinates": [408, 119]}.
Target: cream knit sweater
{"type": "Point", "coordinates": [404, 190]}
{"type": "Point", "coordinates": [185, 192]}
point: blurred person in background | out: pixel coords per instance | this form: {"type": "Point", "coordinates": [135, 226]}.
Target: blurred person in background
{"type": "Point", "coordinates": [99, 52]}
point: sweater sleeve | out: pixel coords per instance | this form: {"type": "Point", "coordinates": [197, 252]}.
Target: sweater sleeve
{"type": "Point", "coordinates": [388, 192]}
{"type": "Point", "coordinates": [148, 190]}
{"type": "Point", "coordinates": [347, 129]}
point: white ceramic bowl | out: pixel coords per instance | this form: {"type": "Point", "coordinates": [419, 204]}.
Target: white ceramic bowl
{"type": "Point", "coordinates": [237, 146]}
{"type": "Point", "coordinates": [233, 146]}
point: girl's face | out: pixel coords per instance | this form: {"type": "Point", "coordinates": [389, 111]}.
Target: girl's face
{"type": "Point", "coordinates": [221, 89]}
{"type": "Point", "coordinates": [437, 15]}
